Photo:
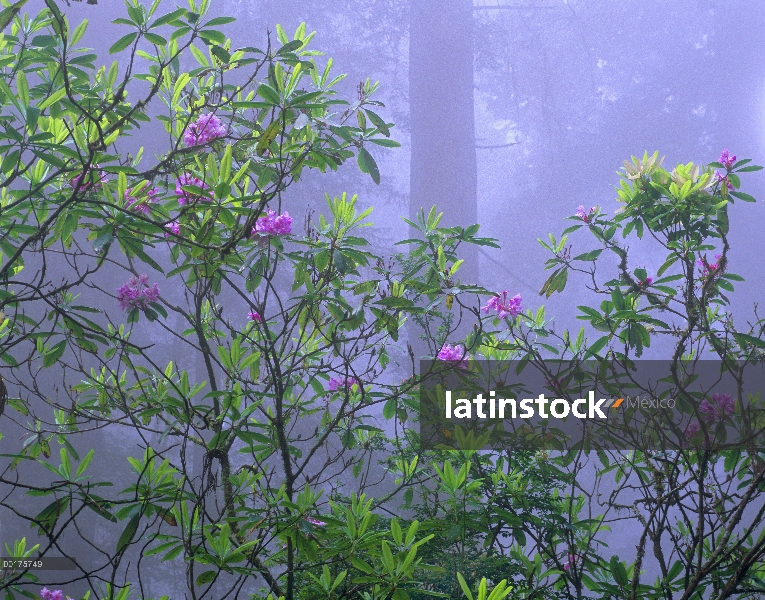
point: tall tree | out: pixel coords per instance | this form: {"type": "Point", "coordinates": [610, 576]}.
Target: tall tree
{"type": "Point", "coordinates": [443, 162]}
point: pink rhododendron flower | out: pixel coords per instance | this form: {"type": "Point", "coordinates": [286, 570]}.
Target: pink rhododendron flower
{"type": "Point", "coordinates": [724, 179]}
{"type": "Point", "coordinates": [255, 316]}
{"type": "Point", "coordinates": [136, 293]}
{"type": "Point", "coordinates": [315, 522]}
{"type": "Point", "coordinates": [204, 130]}
{"type": "Point", "coordinates": [141, 205]}
{"type": "Point", "coordinates": [454, 354]}
{"type": "Point", "coordinates": [336, 384]}
{"type": "Point", "coordinates": [505, 307]}
{"type": "Point", "coordinates": [721, 405]}
{"type": "Point", "coordinates": [185, 197]}
{"type": "Point", "coordinates": [272, 224]}
{"type": "Point", "coordinates": [727, 160]}
{"type": "Point", "coordinates": [172, 227]}
{"type": "Point", "coordinates": [47, 594]}
{"type": "Point", "coordinates": [693, 428]}
{"type": "Point", "coordinates": [95, 179]}
{"type": "Point", "coordinates": [708, 269]}
{"type": "Point", "coordinates": [571, 560]}
{"type": "Point", "coordinates": [583, 215]}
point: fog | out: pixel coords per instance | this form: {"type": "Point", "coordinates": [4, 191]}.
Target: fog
{"type": "Point", "coordinates": [511, 115]}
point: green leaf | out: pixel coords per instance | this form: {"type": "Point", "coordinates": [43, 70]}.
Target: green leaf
{"type": "Point", "coordinates": [368, 165]}
{"type": "Point", "coordinates": [725, 285]}
{"type": "Point", "coordinates": [219, 21]}
{"type": "Point", "coordinates": [123, 43]}
{"type": "Point", "coordinates": [618, 571]}
{"type": "Point", "coordinates": [596, 347]}
{"type": "Point", "coordinates": [389, 408]}
{"type": "Point", "coordinates": [667, 264]}
{"type": "Point", "coordinates": [222, 190]}
{"type": "Point", "coordinates": [52, 355]}
{"type": "Point", "coordinates": [742, 196]}
{"type": "Point", "coordinates": [46, 519]}
{"type": "Point", "coordinates": [290, 47]}
{"type": "Point", "coordinates": [168, 18]}
{"type": "Point", "coordinates": [385, 142]}
{"type": "Point", "coordinates": [675, 570]}
{"type": "Point", "coordinates": [6, 16]}
{"type": "Point", "coordinates": [155, 39]}
{"type": "Point", "coordinates": [464, 586]}
{"type": "Point", "coordinates": [269, 94]}
{"type": "Point", "coordinates": [743, 339]}
{"type": "Point", "coordinates": [221, 54]}
{"type": "Point", "coordinates": [617, 298]}
{"type": "Point", "coordinates": [53, 98]}
{"type": "Point", "coordinates": [205, 577]}
{"type": "Point", "coordinates": [85, 462]}
{"type": "Point", "coordinates": [199, 55]}
{"type": "Point", "coordinates": [378, 122]}
{"type": "Point", "coordinates": [210, 35]}
{"type": "Point", "coordinates": [556, 283]}
{"type": "Point", "coordinates": [589, 256]}
{"type": "Point", "coordinates": [269, 135]}
{"type": "Point", "coordinates": [128, 532]}
{"type": "Point", "coordinates": [23, 88]}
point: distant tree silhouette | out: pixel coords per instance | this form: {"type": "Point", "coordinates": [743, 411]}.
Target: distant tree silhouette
{"type": "Point", "coordinates": [443, 163]}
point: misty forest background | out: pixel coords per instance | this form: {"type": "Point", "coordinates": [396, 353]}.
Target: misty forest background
{"type": "Point", "coordinates": [511, 114]}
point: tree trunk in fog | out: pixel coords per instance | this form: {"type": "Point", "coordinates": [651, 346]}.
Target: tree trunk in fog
{"type": "Point", "coordinates": [443, 164]}
{"type": "Point", "coordinates": [443, 161]}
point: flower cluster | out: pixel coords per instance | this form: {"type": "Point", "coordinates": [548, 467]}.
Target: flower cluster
{"type": "Point", "coordinates": [315, 522]}
{"type": "Point", "coordinates": [721, 405]}
{"type": "Point", "coordinates": [141, 205]}
{"type": "Point", "coordinates": [348, 382]}
{"type": "Point", "coordinates": [645, 283]}
{"type": "Point", "coordinates": [709, 268]}
{"type": "Point", "coordinates": [204, 130]}
{"type": "Point", "coordinates": [172, 227]}
{"type": "Point", "coordinates": [505, 307]}
{"type": "Point", "coordinates": [185, 197]}
{"type": "Point", "coordinates": [583, 215]}
{"type": "Point", "coordinates": [272, 224]}
{"type": "Point", "coordinates": [693, 428]}
{"type": "Point", "coordinates": [554, 385]}
{"type": "Point", "coordinates": [571, 560]}
{"type": "Point", "coordinates": [723, 179]}
{"type": "Point", "coordinates": [255, 316]}
{"type": "Point", "coordinates": [727, 160]}
{"type": "Point", "coordinates": [90, 181]}
{"type": "Point", "coordinates": [638, 168]}
{"type": "Point", "coordinates": [453, 354]}
{"type": "Point", "coordinates": [47, 594]}
{"type": "Point", "coordinates": [136, 293]}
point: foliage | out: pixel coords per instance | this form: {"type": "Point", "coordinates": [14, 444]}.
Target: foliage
{"type": "Point", "coordinates": [694, 508]}
{"type": "Point", "coordinates": [201, 240]}
{"type": "Point", "coordinates": [263, 470]}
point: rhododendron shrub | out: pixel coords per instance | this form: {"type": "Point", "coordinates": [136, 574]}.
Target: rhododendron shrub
{"type": "Point", "coordinates": [154, 267]}
{"type": "Point", "coordinates": [690, 508]}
